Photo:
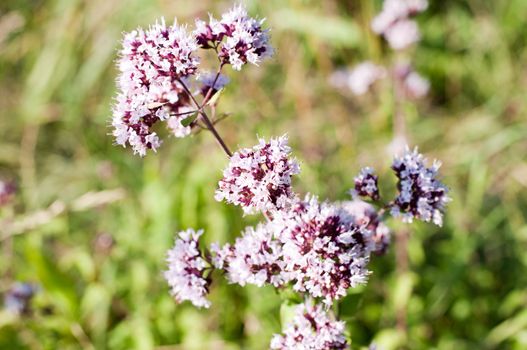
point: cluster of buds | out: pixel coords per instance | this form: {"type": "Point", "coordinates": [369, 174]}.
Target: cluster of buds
{"type": "Point", "coordinates": [394, 23]}
{"type": "Point", "coordinates": [319, 249]}
{"type": "Point", "coordinates": [421, 195]}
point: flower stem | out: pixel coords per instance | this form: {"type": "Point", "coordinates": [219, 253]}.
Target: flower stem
{"type": "Point", "coordinates": [209, 92]}
{"type": "Point", "coordinates": [206, 120]}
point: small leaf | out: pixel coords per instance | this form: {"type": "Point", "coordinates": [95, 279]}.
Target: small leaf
{"type": "Point", "coordinates": [212, 101]}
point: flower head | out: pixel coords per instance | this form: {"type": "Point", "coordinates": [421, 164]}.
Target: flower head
{"type": "Point", "coordinates": [152, 65]}
{"type": "Point", "coordinates": [366, 216]}
{"type": "Point", "coordinates": [421, 195]}
{"type": "Point", "coordinates": [402, 34]}
{"type": "Point", "coordinates": [186, 269]}
{"type": "Point", "coordinates": [237, 37]}
{"type": "Point", "coordinates": [325, 251]}
{"type": "Point", "coordinates": [394, 22]}
{"type": "Point", "coordinates": [366, 184]}
{"type": "Point", "coordinates": [259, 178]}
{"type": "Point", "coordinates": [359, 79]}
{"type": "Point", "coordinates": [255, 258]}
{"type": "Point", "coordinates": [312, 328]}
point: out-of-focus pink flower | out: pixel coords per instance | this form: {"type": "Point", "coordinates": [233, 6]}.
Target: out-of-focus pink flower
{"type": "Point", "coordinates": [394, 23]}
{"type": "Point", "coordinates": [359, 79]}
{"type": "Point", "coordinates": [402, 34]}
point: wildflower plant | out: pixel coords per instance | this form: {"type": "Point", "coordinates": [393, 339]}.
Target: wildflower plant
{"type": "Point", "coordinates": [318, 249]}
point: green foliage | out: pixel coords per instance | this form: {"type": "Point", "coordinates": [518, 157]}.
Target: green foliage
{"type": "Point", "coordinates": [465, 285]}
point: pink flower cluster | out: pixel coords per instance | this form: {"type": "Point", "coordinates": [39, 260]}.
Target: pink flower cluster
{"type": "Point", "coordinates": [259, 178]}
{"type": "Point", "coordinates": [414, 86]}
{"type": "Point", "coordinates": [395, 25]}
{"type": "Point", "coordinates": [324, 250]}
{"type": "Point", "coordinates": [158, 66]}
{"type": "Point", "coordinates": [312, 328]}
{"type": "Point", "coordinates": [186, 270]}
{"type": "Point", "coordinates": [237, 38]}
{"type": "Point", "coordinates": [318, 247]}
{"type": "Point", "coordinates": [152, 64]}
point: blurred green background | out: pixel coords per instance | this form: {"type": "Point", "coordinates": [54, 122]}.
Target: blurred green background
{"type": "Point", "coordinates": [91, 222]}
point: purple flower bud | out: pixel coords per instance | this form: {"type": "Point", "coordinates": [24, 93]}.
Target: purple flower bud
{"type": "Point", "coordinates": [207, 80]}
{"type": "Point", "coordinates": [421, 195]}
{"type": "Point", "coordinates": [366, 184]}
